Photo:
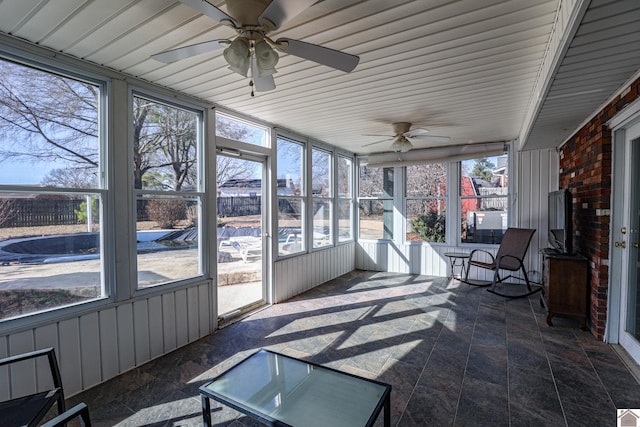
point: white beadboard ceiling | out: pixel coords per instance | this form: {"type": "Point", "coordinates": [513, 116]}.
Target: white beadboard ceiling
{"type": "Point", "coordinates": [465, 69]}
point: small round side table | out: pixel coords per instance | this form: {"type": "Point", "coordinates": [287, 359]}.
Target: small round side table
{"type": "Point", "coordinates": [454, 257]}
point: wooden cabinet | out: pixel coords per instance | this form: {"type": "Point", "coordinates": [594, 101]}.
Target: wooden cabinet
{"type": "Point", "coordinates": [565, 287]}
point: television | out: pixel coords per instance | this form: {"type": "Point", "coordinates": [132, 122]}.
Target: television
{"type": "Point", "coordinates": [560, 222]}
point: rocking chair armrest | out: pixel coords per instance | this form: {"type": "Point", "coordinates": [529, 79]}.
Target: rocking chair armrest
{"type": "Point", "coordinates": [481, 250]}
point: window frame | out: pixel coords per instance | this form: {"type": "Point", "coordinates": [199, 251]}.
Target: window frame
{"type": "Point", "coordinates": [302, 197]}
{"type": "Point", "coordinates": [199, 193]}
{"type": "Point", "coordinates": [324, 199]}
{"type": "Point", "coordinates": [397, 177]}
{"type": "Point", "coordinates": [351, 197]}
{"type": "Point", "coordinates": [103, 188]}
{"type": "Point", "coordinates": [406, 198]}
{"type": "Point", "coordinates": [508, 197]}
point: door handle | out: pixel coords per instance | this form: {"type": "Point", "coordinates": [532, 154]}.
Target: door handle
{"type": "Point", "coordinates": [622, 244]}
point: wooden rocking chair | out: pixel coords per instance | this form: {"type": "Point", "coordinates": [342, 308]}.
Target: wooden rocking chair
{"type": "Point", "coordinates": [510, 257]}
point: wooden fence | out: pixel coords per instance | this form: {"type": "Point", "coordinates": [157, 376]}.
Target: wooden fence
{"type": "Point", "coordinates": [39, 212]}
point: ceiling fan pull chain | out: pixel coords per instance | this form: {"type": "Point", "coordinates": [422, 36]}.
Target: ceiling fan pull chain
{"type": "Point", "coordinates": [251, 85]}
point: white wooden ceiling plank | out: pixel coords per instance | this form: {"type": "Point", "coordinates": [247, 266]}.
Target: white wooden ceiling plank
{"type": "Point", "coordinates": [411, 78]}
{"type": "Point", "coordinates": [133, 16]}
{"type": "Point", "coordinates": [47, 18]}
{"type": "Point", "coordinates": [84, 22]}
{"type": "Point", "coordinates": [426, 97]}
{"type": "Point", "coordinates": [13, 14]}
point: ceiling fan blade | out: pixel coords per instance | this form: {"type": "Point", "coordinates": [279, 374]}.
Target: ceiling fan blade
{"type": "Point", "coordinates": [377, 142]}
{"type": "Point", "coordinates": [280, 11]}
{"type": "Point", "coordinates": [320, 54]}
{"type": "Point", "coordinates": [179, 53]}
{"type": "Point", "coordinates": [378, 134]}
{"type": "Point", "coordinates": [261, 83]}
{"type": "Point", "coordinates": [416, 132]}
{"type": "Point", "coordinates": [211, 11]}
{"type": "Point", "coordinates": [431, 138]}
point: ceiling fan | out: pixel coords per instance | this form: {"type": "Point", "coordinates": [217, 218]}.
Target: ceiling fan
{"type": "Point", "coordinates": [403, 134]}
{"type": "Point", "coordinates": [253, 49]}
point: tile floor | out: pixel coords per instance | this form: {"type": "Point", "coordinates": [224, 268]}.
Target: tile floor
{"type": "Point", "coordinates": [454, 354]}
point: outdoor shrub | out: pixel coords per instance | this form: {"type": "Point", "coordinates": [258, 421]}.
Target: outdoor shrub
{"type": "Point", "coordinates": [81, 212]}
{"type": "Point", "coordinates": [430, 226]}
{"type": "Point", "coordinates": [192, 215]}
{"type": "Point", "coordinates": [166, 212]}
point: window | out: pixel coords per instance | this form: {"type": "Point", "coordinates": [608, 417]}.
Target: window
{"type": "Point", "coordinates": [425, 202]}
{"type": "Point", "coordinates": [484, 199]}
{"type": "Point", "coordinates": [375, 203]}
{"type": "Point", "coordinates": [166, 147]}
{"type": "Point", "coordinates": [52, 190]}
{"type": "Point", "coordinates": [291, 193]}
{"type": "Point", "coordinates": [236, 129]}
{"type": "Point", "coordinates": [345, 199]}
{"type": "Point", "coordinates": [322, 191]}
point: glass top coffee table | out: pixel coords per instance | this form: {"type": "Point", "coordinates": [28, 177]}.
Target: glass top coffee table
{"type": "Point", "coordinates": [279, 390]}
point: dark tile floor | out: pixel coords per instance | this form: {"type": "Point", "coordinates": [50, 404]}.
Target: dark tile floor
{"type": "Point", "coordinates": [454, 354]}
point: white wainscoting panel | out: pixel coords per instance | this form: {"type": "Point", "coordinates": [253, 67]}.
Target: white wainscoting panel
{"type": "Point", "coordinates": [96, 346]}
{"type": "Point", "coordinates": [298, 274]}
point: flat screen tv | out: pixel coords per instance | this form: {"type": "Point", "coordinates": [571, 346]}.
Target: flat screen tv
{"type": "Point", "coordinates": [560, 222]}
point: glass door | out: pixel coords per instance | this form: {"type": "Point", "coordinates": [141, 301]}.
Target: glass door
{"type": "Point", "coordinates": [630, 292]}
{"type": "Point", "coordinates": [241, 244]}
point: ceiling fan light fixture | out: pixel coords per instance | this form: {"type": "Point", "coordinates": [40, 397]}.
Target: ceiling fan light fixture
{"type": "Point", "coordinates": [266, 58]}
{"type": "Point", "coordinates": [401, 144]}
{"type": "Point", "coordinates": [237, 56]}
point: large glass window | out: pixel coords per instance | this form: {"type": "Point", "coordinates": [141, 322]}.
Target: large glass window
{"type": "Point", "coordinates": [345, 199]}
{"type": "Point", "coordinates": [291, 193]}
{"type": "Point", "coordinates": [321, 187]}
{"type": "Point", "coordinates": [425, 202]}
{"type": "Point", "coordinates": [484, 199]}
{"type": "Point", "coordinates": [236, 129]}
{"type": "Point", "coordinates": [52, 190]}
{"type": "Point", "coordinates": [375, 203]}
{"type": "Point", "coordinates": [166, 149]}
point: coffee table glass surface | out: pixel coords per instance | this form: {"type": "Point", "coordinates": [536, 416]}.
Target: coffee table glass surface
{"type": "Point", "coordinates": [280, 390]}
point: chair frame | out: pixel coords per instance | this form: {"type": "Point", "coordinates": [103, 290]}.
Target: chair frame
{"type": "Point", "coordinates": [505, 261]}
{"type": "Point", "coordinates": [54, 395]}
{"type": "Point", "coordinates": [80, 410]}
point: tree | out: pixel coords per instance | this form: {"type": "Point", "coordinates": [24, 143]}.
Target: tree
{"type": "Point", "coordinates": [482, 169]}
{"type": "Point", "coordinates": [165, 143]}
{"type": "Point", "coordinates": [47, 118]}
{"type": "Point", "coordinates": [78, 177]}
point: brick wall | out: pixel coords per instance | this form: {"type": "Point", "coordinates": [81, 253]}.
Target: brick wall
{"type": "Point", "coordinates": [585, 169]}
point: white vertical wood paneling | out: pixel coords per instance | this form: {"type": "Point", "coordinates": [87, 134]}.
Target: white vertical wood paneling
{"type": "Point", "coordinates": [206, 311]}
{"type": "Point", "coordinates": [70, 359]}
{"type": "Point", "coordinates": [182, 318]}
{"type": "Point", "coordinates": [168, 322]}
{"type": "Point", "coordinates": [98, 346]}
{"type": "Point", "coordinates": [194, 317]}
{"type": "Point", "coordinates": [141, 331]}
{"type": "Point", "coordinates": [90, 357]}
{"type": "Point", "coordinates": [23, 374]}
{"type": "Point", "coordinates": [296, 275]}
{"type": "Point", "coordinates": [45, 336]}
{"type": "Point", "coordinates": [155, 333]}
{"type": "Point", "coordinates": [109, 343]}
{"type": "Point", "coordinates": [127, 346]}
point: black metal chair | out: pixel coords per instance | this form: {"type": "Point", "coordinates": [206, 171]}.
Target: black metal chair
{"type": "Point", "coordinates": [30, 410]}
{"type": "Point", "coordinates": [510, 257]}
{"type": "Point", "coordinates": [80, 410]}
